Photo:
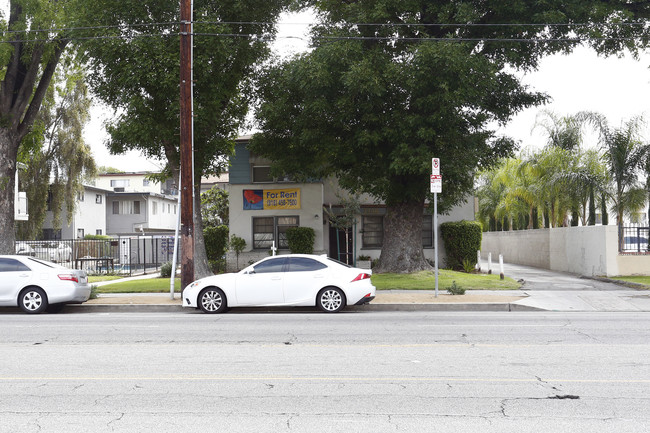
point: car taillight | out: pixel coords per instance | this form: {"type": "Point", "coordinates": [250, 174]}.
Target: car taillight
{"type": "Point", "coordinates": [361, 277]}
{"type": "Point", "coordinates": [68, 277]}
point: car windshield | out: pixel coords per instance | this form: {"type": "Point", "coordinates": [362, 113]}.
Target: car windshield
{"type": "Point", "coordinates": [340, 263]}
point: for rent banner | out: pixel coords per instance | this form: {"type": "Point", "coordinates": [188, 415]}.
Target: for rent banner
{"type": "Point", "coordinates": [268, 199]}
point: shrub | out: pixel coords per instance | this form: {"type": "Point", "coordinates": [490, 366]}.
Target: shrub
{"type": "Point", "coordinates": [216, 241]}
{"type": "Point", "coordinates": [217, 266]}
{"type": "Point", "coordinates": [237, 244]}
{"type": "Point", "coordinates": [455, 289]}
{"type": "Point", "coordinates": [363, 258]}
{"type": "Point", "coordinates": [98, 237]}
{"type": "Point", "coordinates": [166, 270]}
{"type": "Point", "coordinates": [93, 291]}
{"type": "Point", "coordinates": [468, 266]}
{"type": "Point", "coordinates": [462, 241]}
{"type": "Point", "coordinates": [301, 240]}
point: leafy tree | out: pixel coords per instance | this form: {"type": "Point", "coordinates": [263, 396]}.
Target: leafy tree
{"type": "Point", "coordinates": [104, 169]}
{"type": "Point", "coordinates": [214, 207]}
{"type": "Point", "coordinates": [56, 156]}
{"type": "Point", "coordinates": [387, 87]}
{"type": "Point", "coordinates": [27, 64]}
{"type": "Point", "coordinates": [137, 73]}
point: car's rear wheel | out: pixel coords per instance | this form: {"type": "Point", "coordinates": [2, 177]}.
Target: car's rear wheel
{"type": "Point", "coordinates": [32, 300]}
{"type": "Point", "coordinates": [330, 300]}
{"type": "Point", "coordinates": [212, 300]}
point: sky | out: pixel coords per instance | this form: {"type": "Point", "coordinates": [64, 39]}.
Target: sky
{"type": "Point", "coordinates": [618, 88]}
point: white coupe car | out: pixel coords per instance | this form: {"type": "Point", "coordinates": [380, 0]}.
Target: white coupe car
{"type": "Point", "coordinates": [37, 285]}
{"type": "Point", "coordinates": [289, 280]}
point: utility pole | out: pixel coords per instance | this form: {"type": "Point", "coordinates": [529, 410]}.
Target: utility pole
{"type": "Point", "coordinates": [186, 148]}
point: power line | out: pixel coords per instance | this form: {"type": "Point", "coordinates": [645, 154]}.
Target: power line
{"type": "Point", "coordinates": [124, 28]}
{"type": "Point", "coordinates": [263, 23]}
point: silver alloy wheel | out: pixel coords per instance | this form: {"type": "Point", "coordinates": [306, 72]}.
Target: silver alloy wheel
{"type": "Point", "coordinates": [211, 301]}
{"type": "Point", "coordinates": [331, 300]}
{"type": "Point", "coordinates": [33, 300]}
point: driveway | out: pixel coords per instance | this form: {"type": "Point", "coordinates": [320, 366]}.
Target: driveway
{"type": "Point", "coordinates": [560, 291]}
{"type": "Point", "coordinates": [543, 279]}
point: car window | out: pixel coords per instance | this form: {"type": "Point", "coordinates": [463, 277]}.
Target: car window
{"type": "Point", "coordinates": [11, 265]}
{"type": "Point", "coordinates": [303, 264]}
{"type": "Point", "coordinates": [340, 263]}
{"type": "Point", "coordinates": [271, 265]}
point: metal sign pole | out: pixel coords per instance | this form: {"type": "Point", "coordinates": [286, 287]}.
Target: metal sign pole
{"type": "Point", "coordinates": [436, 187]}
{"type": "Point", "coordinates": [435, 236]}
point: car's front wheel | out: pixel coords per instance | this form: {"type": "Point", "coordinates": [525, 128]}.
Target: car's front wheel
{"type": "Point", "coordinates": [330, 300]}
{"type": "Point", "coordinates": [32, 300]}
{"type": "Point", "coordinates": [212, 300]}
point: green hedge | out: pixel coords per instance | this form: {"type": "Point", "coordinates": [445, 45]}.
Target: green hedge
{"type": "Point", "coordinates": [216, 241]}
{"type": "Point", "coordinates": [462, 241]}
{"type": "Point", "coordinates": [301, 240]}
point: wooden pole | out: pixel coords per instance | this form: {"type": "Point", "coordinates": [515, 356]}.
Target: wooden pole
{"type": "Point", "coordinates": [186, 183]}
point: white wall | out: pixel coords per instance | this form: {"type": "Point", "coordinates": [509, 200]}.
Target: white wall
{"type": "Point", "coordinates": [589, 251]}
{"type": "Point", "coordinates": [135, 180]}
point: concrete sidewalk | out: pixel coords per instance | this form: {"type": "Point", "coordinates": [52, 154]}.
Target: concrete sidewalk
{"type": "Point", "coordinates": [541, 290]}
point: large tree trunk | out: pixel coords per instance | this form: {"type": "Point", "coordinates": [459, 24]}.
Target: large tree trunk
{"type": "Point", "coordinates": [8, 152]}
{"type": "Point", "coordinates": [402, 248]}
{"type": "Point", "coordinates": [201, 266]}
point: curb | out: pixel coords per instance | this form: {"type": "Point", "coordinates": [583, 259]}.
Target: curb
{"type": "Point", "coordinates": [161, 308]}
{"type": "Point", "coordinates": [628, 284]}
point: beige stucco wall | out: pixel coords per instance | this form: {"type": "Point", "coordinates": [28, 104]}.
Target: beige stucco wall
{"type": "Point", "coordinates": [590, 251]}
{"type": "Point", "coordinates": [310, 213]}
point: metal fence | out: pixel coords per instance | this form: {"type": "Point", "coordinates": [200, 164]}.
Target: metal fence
{"type": "Point", "coordinates": [121, 255]}
{"type": "Point", "coordinates": [635, 239]}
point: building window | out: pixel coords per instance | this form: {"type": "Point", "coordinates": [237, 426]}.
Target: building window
{"type": "Point", "coordinates": [427, 231]}
{"type": "Point", "coordinates": [81, 196]}
{"type": "Point", "coordinates": [154, 208]}
{"type": "Point", "coordinates": [119, 183]}
{"type": "Point", "coordinates": [267, 230]}
{"type": "Point", "coordinates": [80, 233]}
{"type": "Point", "coordinates": [98, 198]}
{"type": "Point", "coordinates": [373, 231]}
{"type": "Point", "coordinates": [262, 174]}
{"type": "Point", "coordinates": [126, 207]}
{"type": "Point", "coordinates": [98, 232]}
{"type": "Point", "coordinates": [145, 182]}
{"type": "Point", "coordinates": [51, 234]}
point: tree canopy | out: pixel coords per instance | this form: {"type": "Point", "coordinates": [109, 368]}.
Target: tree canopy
{"type": "Point", "coordinates": [28, 60]}
{"type": "Point", "coordinates": [390, 84]}
{"type": "Point", "coordinates": [136, 71]}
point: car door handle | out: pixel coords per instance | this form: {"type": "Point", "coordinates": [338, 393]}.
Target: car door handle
{"type": "Point", "coordinates": [318, 276]}
{"type": "Point", "coordinates": [275, 278]}
{"type": "Point", "coordinates": [23, 275]}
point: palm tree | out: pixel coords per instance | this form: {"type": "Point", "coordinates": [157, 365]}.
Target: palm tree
{"type": "Point", "coordinates": [563, 132]}
{"type": "Point", "coordinates": [624, 154]}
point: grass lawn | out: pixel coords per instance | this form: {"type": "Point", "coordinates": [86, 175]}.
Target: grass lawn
{"type": "Point", "coordinates": [148, 285]}
{"type": "Point", "coordinates": [635, 279]}
{"type": "Point", "coordinates": [419, 281]}
{"type": "Point", "coordinates": [426, 280]}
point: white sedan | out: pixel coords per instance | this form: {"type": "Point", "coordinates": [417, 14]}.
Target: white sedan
{"type": "Point", "coordinates": [36, 285]}
{"type": "Point", "coordinates": [289, 280]}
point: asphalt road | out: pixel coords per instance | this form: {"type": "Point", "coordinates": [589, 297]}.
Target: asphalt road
{"type": "Point", "coordinates": [351, 372]}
